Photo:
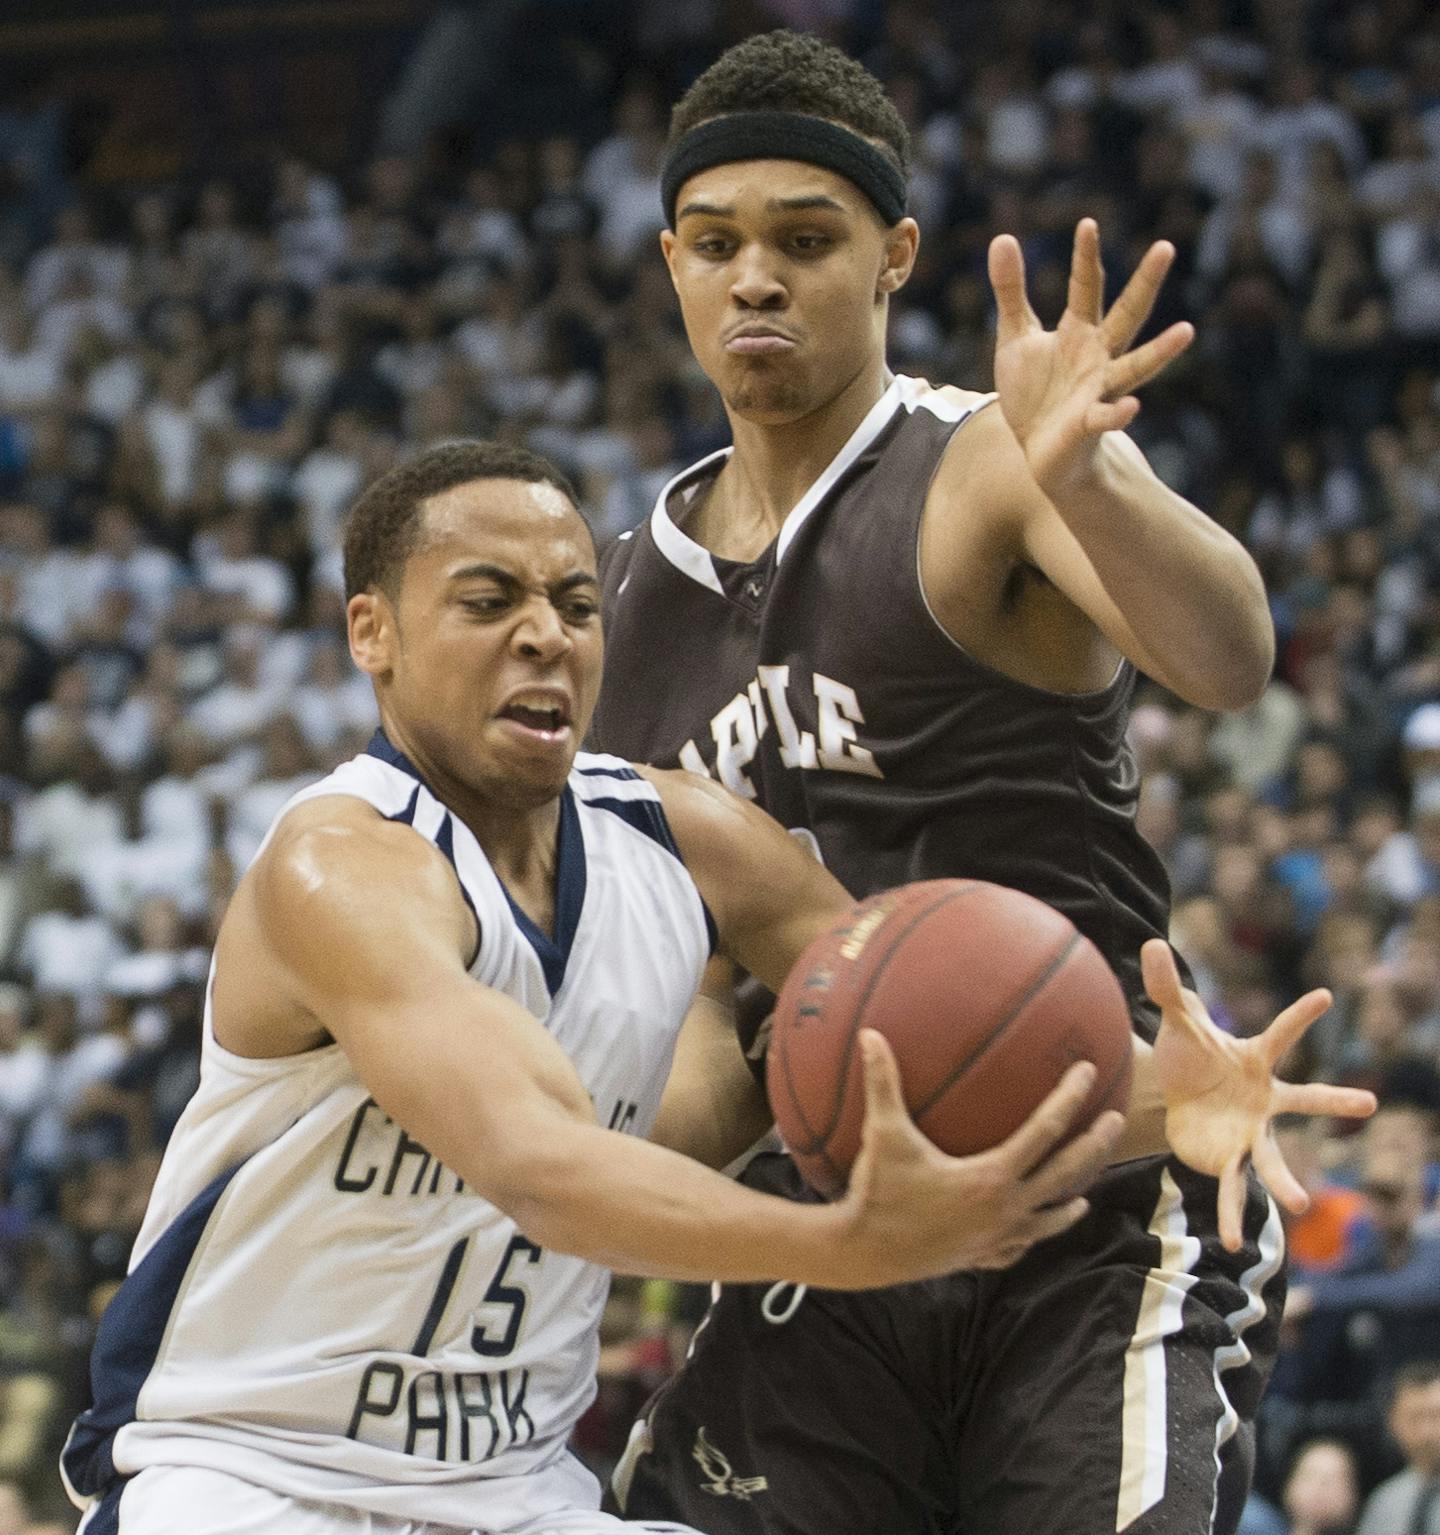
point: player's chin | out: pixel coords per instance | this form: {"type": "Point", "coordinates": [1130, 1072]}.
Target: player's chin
{"type": "Point", "coordinates": [529, 787]}
{"type": "Point", "coordinates": [769, 398]}
{"type": "Point", "coordinates": [535, 773]}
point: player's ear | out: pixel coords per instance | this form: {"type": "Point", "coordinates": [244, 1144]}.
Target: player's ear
{"type": "Point", "coordinates": [370, 624]}
{"type": "Point", "coordinates": [902, 242]}
{"type": "Point", "coordinates": [667, 249]}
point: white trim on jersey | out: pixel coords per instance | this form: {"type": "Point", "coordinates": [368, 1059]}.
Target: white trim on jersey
{"type": "Point", "coordinates": [917, 394]}
{"type": "Point", "coordinates": [903, 392]}
{"type": "Point", "coordinates": [1144, 1436]}
{"type": "Point", "coordinates": [876, 420]}
{"type": "Point", "coordinates": [679, 548]}
{"type": "Point", "coordinates": [1234, 1356]}
{"type": "Point", "coordinates": [601, 776]}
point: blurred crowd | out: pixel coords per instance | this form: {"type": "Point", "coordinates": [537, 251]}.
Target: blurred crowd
{"type": "Point", "coordinates": [196, 379]}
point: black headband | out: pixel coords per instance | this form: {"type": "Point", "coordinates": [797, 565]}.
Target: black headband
{"type": "Point", "coordinates": [784, 136]}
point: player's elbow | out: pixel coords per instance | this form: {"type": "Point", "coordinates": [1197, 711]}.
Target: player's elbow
{"type": "Point", "coordinates": [545, 1191]}
{"type": "Point", "coordinates": [1241, 683]}
{"type": "Point", "coordinates": [1234, 668]}
{"type": "Point", "coordinates": [1231, 689]}
{"type": "Point", "coordinates": [1232, 652]}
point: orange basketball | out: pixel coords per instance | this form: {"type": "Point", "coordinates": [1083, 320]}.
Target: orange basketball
{"type": "Point", "coordinates": [986, 996]}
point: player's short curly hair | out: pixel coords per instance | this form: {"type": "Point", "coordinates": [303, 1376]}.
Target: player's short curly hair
{"type": "Point", "coordinates": [383, 527]}
{"type": "Point", "coordinates": [785, 71]}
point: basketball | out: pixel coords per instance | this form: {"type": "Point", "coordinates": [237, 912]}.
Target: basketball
{"type": "Point", "coordinates": [986, 996]}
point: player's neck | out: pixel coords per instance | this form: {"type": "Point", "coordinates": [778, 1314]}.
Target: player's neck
{"type": "Point", "coordinates": [519, 840]}
{"type": "Point", "coordinates": [526, 866]}
{"type": "Point", "coordinates": [521, 846]}
{"type": "Point", "coordinates": [773, 465]}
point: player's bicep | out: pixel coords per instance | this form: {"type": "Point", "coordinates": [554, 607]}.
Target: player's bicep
{"type": "Point", "coordinates": [713, 1108]}
{"type": "Point", "coordinates": [1047, 543]}
{"type": "Point", "coordinates": [458, 1064]}
{"type": "Point", "coordinates": [1052, 548]}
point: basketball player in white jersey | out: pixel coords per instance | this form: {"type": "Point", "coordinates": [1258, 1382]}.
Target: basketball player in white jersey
{"type": "Point", "coordinates": [441, 1012]}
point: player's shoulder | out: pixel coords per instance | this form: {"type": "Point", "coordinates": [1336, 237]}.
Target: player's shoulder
{"type": "Point", "coordinates": [982, 469]}
{"type": "Point", "coordinates": [337, 849]}
{"type": "Point", "coordinates": [711, 826]}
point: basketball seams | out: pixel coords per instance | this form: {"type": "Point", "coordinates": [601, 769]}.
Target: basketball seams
{"type": "Point", "coordinates": [849, 974]}
{"type": "Point", "coordinates": [1047, 973]}
{"type": "Point", "coordinates": [815, 1142]}
{"type": "Point", "coordinates": [873, 980]}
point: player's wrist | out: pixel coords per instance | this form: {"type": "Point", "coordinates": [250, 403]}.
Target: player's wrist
{"type": "Point", "coordinates": [1089, 481]}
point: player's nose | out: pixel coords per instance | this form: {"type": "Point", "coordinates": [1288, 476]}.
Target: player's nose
{"type": "Point", "coordinates": [540, 632]}
{"type": "Point", "coordinates": [756, 283]}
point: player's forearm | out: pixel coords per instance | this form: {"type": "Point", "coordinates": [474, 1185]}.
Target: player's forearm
{"type": "Point", "coordinates": [1144, 1133]}
{"type": "Point", "coordinates": [641, 1209]}
{"type": "Point", "coordinates": [1189, 591]}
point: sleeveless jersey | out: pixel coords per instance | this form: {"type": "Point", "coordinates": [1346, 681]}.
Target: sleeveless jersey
{"type": "Point", "coordinates": [314, 1302]}
{"type": "Point", "coordinates": [817, 681]}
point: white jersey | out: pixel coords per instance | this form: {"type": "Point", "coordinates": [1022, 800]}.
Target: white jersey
{"type": "Point", "coordinates": [319, 1306]}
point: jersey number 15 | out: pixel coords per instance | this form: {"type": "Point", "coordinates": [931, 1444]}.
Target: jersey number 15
{"type": "Point", "coordinates": [498, 1336]}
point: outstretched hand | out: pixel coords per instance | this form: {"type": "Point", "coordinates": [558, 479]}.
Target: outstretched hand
{"type": "Point", "coordinates": [1061, 389]}
{"type": "Point", "coordinates": [1221, 1092]}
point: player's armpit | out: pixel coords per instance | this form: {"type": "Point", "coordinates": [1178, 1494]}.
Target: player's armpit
{"type": "Point", "coordinates": [769, 896]}
{"type": "Point", "coordinates": [713, 1109]}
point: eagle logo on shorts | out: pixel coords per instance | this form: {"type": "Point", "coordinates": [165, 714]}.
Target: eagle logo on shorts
{"type": "Point", "coordinates": [723, 1482]}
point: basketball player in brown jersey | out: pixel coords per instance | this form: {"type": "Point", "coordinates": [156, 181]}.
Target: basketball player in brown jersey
{"type": "Point", "coordinates": [908, 622]}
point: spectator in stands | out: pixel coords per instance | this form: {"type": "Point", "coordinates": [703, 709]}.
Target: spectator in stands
{"type": "Point", "coordinates": [1407, 867]}
{"type": "Point", "coordinates": [1322, 1491]}
{"type": "Point", "coordinates": [1409, 1502]}
{"type": "Point", "coordinates": [1364, 1320]}
{"type": "Point", "coordinates": [1320, 1239]}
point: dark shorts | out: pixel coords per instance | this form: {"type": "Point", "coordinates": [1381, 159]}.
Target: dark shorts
{"type": "Point", "coordinates": [1108, 1382]}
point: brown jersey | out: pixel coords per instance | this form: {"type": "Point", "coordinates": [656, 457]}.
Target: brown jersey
{"type": "Point", "coordinates": [817, 682]}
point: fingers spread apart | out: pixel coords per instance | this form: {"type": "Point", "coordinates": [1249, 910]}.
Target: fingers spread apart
{"type": "Point", "coordinates": [1007, 278]}
{"type": "Point", "coordinates": [1130, 311]}
{"type": "Point", "coordinates": [1087, 277]}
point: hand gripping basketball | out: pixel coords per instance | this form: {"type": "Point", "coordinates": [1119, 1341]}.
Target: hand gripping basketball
{"type": "Point", "coordinates": [911, 1212]}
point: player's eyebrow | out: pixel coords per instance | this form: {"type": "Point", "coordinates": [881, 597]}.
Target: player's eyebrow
{"type": "Point", "coordinates": [801, 204]}
{"type": "Point", "coordinates": [483, 572]}
{"type": "Point", "coordinates": [574, 579]}
{"type": "Point", "coordinates": [712, 210]}
{"type": "Point", "coordinates": [772, 205]}
{"type": "Point", "coordinates": [511, 582]}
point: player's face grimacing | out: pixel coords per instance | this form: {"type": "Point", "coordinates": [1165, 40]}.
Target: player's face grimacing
{"type": "Point", "coordinates": [782, 269]}
{"type": "Point", "coordinates": [492, 660]}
